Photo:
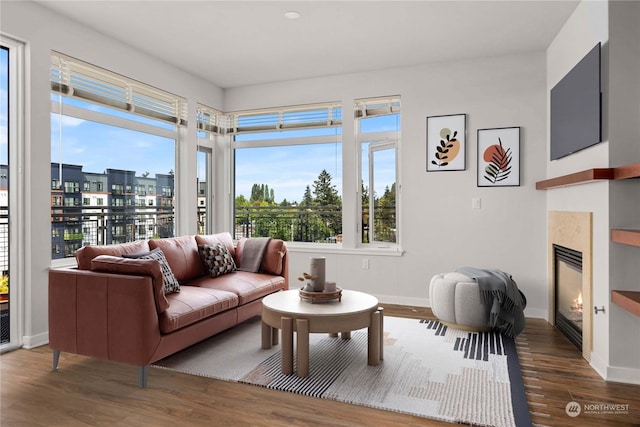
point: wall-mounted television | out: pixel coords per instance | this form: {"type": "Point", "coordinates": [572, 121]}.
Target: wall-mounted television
{"type": "Point", "coordinates": [576, 102]}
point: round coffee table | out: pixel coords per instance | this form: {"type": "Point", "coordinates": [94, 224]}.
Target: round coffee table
{"type": "Point", "coordinates": [289, 313]}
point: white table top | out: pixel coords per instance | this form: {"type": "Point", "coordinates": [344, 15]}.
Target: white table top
{"type": "Point", "coordinates": [289, 302]}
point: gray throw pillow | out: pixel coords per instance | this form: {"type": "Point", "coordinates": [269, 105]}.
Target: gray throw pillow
{"type": "Point", "coordinates": [169, 280]}
{"type": "Point", "coordinates": [217, 259]}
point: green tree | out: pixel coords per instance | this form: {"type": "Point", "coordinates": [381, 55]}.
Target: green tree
{"type": "Point", "coordinates": [328, 220]}
{"type": "Point", "coordinates": [325, 193]}
{"type": "Point", "coordinates": [364, 191]}
{"type": "Point", "coordinates": [385, 214]}
{"type": "Point", "coordinates": [307, 198]}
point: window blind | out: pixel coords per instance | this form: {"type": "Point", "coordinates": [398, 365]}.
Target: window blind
{"type": "Point", "coordinates": [211, 120]}
{"type": "Point", "coordinates": [303, 117]}
{"type": "Point", "coordinates": [74, 78]}
{"type": "Point", "coordinates": [376, 107]}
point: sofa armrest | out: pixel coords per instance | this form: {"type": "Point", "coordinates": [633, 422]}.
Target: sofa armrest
{"type": "Point", "coordinates": [103, 315]}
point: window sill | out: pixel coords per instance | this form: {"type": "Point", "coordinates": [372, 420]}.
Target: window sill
{"type": "Point", "coordinates": [63, 263]}
{"type": "Point", "coordinates": [391, 250]}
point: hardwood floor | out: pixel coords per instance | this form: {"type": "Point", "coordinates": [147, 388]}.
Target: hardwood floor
{"type": "Point", "coordinates": [90, 392]}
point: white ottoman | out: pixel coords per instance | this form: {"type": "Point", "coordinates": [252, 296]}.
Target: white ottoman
{"type": "Point", "coordinates": [455, 301]}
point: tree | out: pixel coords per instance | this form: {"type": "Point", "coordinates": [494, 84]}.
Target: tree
{"type": "Point", "coordinates": [328, 201]}
{"type": "Point", "coordinates": [325, 193]}
{"type": "Point", "coordinates": [364, 191]}
{"type": "Point", "coordinates": [307, 199]}
{"type": "Point", "coordinates": [385, 214]}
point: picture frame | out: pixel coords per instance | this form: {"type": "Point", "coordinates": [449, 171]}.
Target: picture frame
{"type": "Point", "coordinates": [446, 143]}
{"type": "Point", "coordinates": [499, 157]}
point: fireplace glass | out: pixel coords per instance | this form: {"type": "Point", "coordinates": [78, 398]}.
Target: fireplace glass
{"type": "Point", "coordinates": [568, 285]}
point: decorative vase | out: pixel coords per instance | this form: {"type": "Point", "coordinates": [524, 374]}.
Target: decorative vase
{"type": "Point", "coordinates": [316, 268]}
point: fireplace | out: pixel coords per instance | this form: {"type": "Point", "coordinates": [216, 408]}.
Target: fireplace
{"type": "Point", "coordinates": [568, 292]}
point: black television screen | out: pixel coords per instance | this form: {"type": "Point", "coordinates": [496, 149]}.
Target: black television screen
{"type": "Point", "coordinates": [575, 108]}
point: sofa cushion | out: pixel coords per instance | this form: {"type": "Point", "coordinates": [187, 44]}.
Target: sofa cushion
{"type": "Point", "coordinates": [272, 259]}
{"type": "Point", "coordinates": [193, 304]}
{"type": "Point", "coordinates": [142, 267]}
{"type": "Point", "coordinates": [169, 280]}
{"type": "Point", "coordinates": [212, 239]}
{"type": "Point", "coordinates": [217, 259]}
{"type": "Point", "coordinates": [182, 255]}
{"type": "Point", "coordinates": [247, 286]}
{"type": "Point", "coordinates": [85, 254]}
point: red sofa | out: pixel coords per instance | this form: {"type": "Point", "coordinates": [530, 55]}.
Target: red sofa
{"type": "Point", "coordinates": [115, 308]}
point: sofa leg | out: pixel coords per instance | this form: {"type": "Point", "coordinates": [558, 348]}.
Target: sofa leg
{"type": "Point", "coordinates": [142, 376]}
{"type": "Point", "coordinates": [56, 359]}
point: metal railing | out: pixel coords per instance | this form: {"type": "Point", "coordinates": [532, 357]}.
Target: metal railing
{"type": "Point", "coordinates": [72, 228]}
{"type": "Point", "coordinates": [317, 224]}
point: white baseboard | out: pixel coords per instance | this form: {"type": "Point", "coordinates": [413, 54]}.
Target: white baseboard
{"type": "Point", "coordinates": [618, 374]}
{"type": "Point", "coordinates": [34, 341]}
{"type": "Point", "coordinates": [621, 374]}
{"type": "Point", "coordinates": [599, 365]}
{"type": "Point", "coordinates": [412, 302]}
{"type": "Point", "coordinates": [536, 313]}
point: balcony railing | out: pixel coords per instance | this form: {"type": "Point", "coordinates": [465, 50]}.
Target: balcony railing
{"type": "Point", "coordinates": [72, 228]}
{"type": "Point", "coordinates": [317, 224]}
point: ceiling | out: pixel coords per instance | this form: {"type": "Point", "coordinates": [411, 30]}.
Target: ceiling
{"type": "Point", "coordinates": [238, 43]}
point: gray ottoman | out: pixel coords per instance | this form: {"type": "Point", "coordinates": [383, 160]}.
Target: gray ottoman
{"type": "Point", "coordinates": [455, 301]}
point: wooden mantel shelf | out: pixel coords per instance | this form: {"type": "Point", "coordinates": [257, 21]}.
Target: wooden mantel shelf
{"type": "Point", "coordinates": [589, 175]}
{"type": "Point", "coordinates": [629, 300]}
{"type": "Point", "coordinates": [627, 237]}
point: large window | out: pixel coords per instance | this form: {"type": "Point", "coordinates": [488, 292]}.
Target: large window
{"type": "Point", "coordinates": [116, 136]}
{"type": "Point", "coordinates": [211, 123]}
{"type": "Point", "coordinates": [378, 134]}
{"type": "Point", "coordinates": [12, 216]}
{"type": "Point", "coordinates": [288, 173]}
{"type": "Point", "coordinates": [4, 195]}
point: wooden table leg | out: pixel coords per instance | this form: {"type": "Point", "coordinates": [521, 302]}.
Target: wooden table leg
{"type": "Point", "coordinates": [267, 336]}
{"type": "Point", "coordinates": [286, 324]}
{"type": "Point", "coordinates": [302, 347]}
{"type": "Point", "coordinates": [374, 338]}
{"type": "Point", "coordinates": [345, 335]}
{"type": "Point", "coordinates": [274, 336]}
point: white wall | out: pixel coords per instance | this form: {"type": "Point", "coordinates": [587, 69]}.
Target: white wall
{"type": "Point", "coordinates": [439, 229]}
{"type": "Point", "coordinates": [616, 333]}
{"type": "Point", "coordinates": [44, 31]}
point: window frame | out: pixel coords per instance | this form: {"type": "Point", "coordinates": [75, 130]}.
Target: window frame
{"type": "Point", "coordinates": [368, 108]}
{"type": "Point", "coordinates": [282, 124]}
{"type": "Point", "coordinates": [58, 107]}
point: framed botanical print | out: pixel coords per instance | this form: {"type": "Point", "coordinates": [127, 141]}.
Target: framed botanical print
{"type": "Point", "coordinates": [499, 157]}
{"type": "Point", "coordinates": [446, 143]}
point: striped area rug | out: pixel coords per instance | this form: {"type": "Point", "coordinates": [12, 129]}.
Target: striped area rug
{"type": "Point", "coordinates": [429, 370]}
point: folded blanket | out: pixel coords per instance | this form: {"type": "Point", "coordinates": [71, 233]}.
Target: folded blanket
{"type": "Point", "coordinates": [252, 252]}
{"type": "Point", "coordinates": [499, 290]}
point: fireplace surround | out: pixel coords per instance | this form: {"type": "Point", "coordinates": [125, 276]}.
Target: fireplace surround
{"type": "Point", "coordinates": [572, 230]}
